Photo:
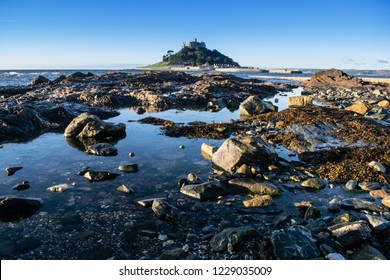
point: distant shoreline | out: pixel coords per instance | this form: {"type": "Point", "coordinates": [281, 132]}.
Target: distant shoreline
{"type": "Point", "coordinates": [302, 79]}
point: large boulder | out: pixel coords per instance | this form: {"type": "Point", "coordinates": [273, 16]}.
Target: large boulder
{"type": "Point", "coordinates": [40, 80]}
{"type": "Point", "coordinates": [294, 243]}
{"type": "Point", "coordinates": [333, 78]}
{"type": "Point", "coordinates": [90, 126]}
{"type": "Point", "coordinates": [205, 191]}
{"type": "Point", "coordinates": [255, 106]}
{"type": "Point", "coordinates": [248, 150]}
{"type": "Point", "coordinates": [13, 208]}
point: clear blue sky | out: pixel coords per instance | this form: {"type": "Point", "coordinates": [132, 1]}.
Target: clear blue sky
{"type": "Point", "coordinates": [270, 34]}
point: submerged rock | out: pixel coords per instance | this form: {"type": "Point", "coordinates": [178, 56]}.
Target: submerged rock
{"type": "Point", "coordinates": [23, 186]}
{"type": "Point", "coordinates": [231, 237]}
{"type": "Point", "coordinates": [13, 208]}
{"type": "Point", "coordinates": [294, 243]}
{"type": "Point", "coordinates": [205, 191]}
{"type": "Point", "coordinates": [102, 149]}
{"type": "Point", "coordinates": [248, 150]}
{"type": "Point", "coordinates": [128, 168]}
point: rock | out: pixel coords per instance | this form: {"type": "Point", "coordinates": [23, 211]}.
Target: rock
{"type": "Point", "coordinates": [140, 110]}
{"type": "Point", "coordinates": [193, 179]}
{"type": "Point", "coordinates": [359, 108]}
{"type": "Point", "coordinates": [386, 201]}
{"type": "Point", "coordinates": [129, 168]}
{"type": "Point", "coordinates": [205, 191]}
{"type": "Point", "coordinates": [148, 202]}
{"type": "Point", "coordinates": [207, 151]}
{"type": "Point", "coordinates": [102, 149]}
{"type": "Point", "coordinates": [311, 213]}
{"type": "Point", "coordinates": [384, 104]}
{"type": "Point", "coordinates": [299, 101]}
{"type": "Point", "coordinates": [248, 150]}
{"type": "Point", "coordinates": [80, 75]}
{"type": "Point", "coordinates": [270, 210]}
{"type": "Point", "coordinates": [165, 211]}
{"type": "Point", "coordinates": [6, 247]}
{"type": "Point", "coordinates": [244, 170]}
{"type": "Point", "coordinates": [294, 243]}
{"type": "Point", "coordinates": [13, 208]}
{"type": "Point", "coordinates": [60, 188]}
{"type": "Point", "coordinates": [231, 237]}
{"type": "Point", "coordinates": [40, 80]}
{"type": "Point", "coordinates": [259, 201]}
{"type": "Point", "coordinates": [23, 186]}
{"type": "Point", "coordinates": [316, 226]}
{"type": "Point", "coordinates": [350, 234]}
{"type": "Point", "coordinates": [375, 221]}
{"type": "Point", "coordinates": [334, 205]}
{"type": "Point", "coordinates": [377, 166]}
{"type": "Point", "coordinates": [333, 78]}
{"type": "Point", "coordinates": [255, 106]}
{"type": "Point", "coordinates": [182, 147]}
{"type": "Point", "coordinates": [245, 185]}
{"type": "Point", "coordinates": [125, 189]}
{"type": "Point", "coordinates": [351, 185]}
{"type": "Point", "coordinates": [369, 186]}
{"type": "Point", "coordinates": [313, 184]}
{"type": "Point", "coordinates": [335, 257]}
{"type": "Point", "coordinates": [93, 176]}
{"type": "Point", "coordinates": [366, 252]}
{"type": "Point", "coordinates": [342, 218]}
{"type": "Point", "coordinates": [381, 193]}
{"type": "Point", "coordinates": [173, 254]}
{"type": "Point", "coordinates": [11, 170]}
{"type": "Point", "coordinates": [59, 79]}
{"type": "Point", "coordinates": [90, 126]}
{"type": "Point", "coordinates": [359, 204]}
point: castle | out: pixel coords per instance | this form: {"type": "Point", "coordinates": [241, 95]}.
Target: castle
{"type": "Point", "coordinates": [195, 44]}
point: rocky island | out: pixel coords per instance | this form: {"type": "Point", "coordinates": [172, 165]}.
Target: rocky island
{"type": "Point", "coordinates": [327, 199]}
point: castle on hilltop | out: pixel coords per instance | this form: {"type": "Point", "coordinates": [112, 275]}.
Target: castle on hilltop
{"type": "Point", "coordinates": [195, 44]}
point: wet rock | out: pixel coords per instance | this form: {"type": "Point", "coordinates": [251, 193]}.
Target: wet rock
{"type": "Point", "coordinates": [294, 243]}
{"type": "Point", "coordinates": [313, 184]}
{"type": "Point", "coordinates": [11, 170]}
{"type": "Point", "coordinates": [102, 149]}
{"type": "Point", "coordinates": [231, 237]}
{"type": "Point", "coordinates": [316, 226]}
{"type": "Point", "coordinates": [165, 211]}
{"type": "Point", "coordinates": [375, 221]}
{"type": "Point", "coordinates": [248, 150]}
{"type": "Point", "coordinates": [23, 186]}
{"type": "Point", "coordinates": [377, 166]}
{"type": "Point", "coordinates": [335, 257]}
{"type": "Point", "coordinates": [246, 185]}
{"type": "Point", "coordinates": [6, 247]}
{"type": "Point", "coordinates": [259, 201]}
{"type": "Point", "coordinates": [359, 108]}
{"type": "Point", "coordinates": [90, 126]}
{"type": "Point", "coordinates": [334, 205]}
{"type": "Point", "coordinates": [359, 204]}
{"type": "Point", "coordinates": [311, 213]}
{"type": "Point", "coordinates": [351, 185]}
{"type": "Point", "coordinates": [140, 110]}
{"type": "Point", "coordinates": [193, 179]}
{"type": "Point", "coordinates": [60, 188]}
{"type": "Point", "coordinates": [366, 252]}
{"type": "Point", "coordinates": [270, 210]}
{"type": "Point", "coordinates": [148, 202]}
{"type": "Point", "coordinates": [350, 234]}
{"type": "Point", "coordinates": [94, 176]}
{"type": "Point", "coordinates": [12, 208]}
{"type": "Point", "coordinates": [381, 193]}
{"type": "Point", "coordinates": [244, 170]}
{"type": "Point", "coordinates": [173, 254]}
{"type": "Point", "coordinates": [369, 186]}
{"type": "Point", "coordinates": [386, 201]}
{"type": "Point", "coordinates": [59, 79]}
{"type": "Point", "coordinates": [125, 189]}
{"type": "Point", "coordinates": [255, 106]}
{"type": "Point", "coordinates": [205, 191]}
{"type": "Point", "coordinates": [40, 80]}
{"type": "Point", "coordinates": [299, 101]}
{"type": "Point", "coordinates": [384, 104]}
{"type": "Point", "coordinates": [129, 168]}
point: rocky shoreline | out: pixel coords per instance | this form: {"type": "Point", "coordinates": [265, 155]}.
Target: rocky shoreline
{"type": "Point", "coordinates": [328, 199]}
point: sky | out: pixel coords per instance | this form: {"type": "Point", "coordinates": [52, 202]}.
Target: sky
{"type": "Point", "coordinates": [80, 34]}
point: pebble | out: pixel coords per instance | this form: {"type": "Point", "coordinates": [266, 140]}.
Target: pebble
{"type": "Point", "coordinates": [60, 188]}
{"type": "Point", "coordinates": [162, 237]}
{"type": "Point", "coordinates": [131, 154]}
{"type": "Point", "coordinates": [23, 186]}
{"type": "Point", "coordinates": [181, 147]}
{"type": "Point", "coordinates": [351, 185]}
{"type": "Point", "coordinates": [377, 166]}
{"type": "Point", "coordinates": [125, 189]}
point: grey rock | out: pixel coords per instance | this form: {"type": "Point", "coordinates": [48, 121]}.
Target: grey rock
{"type": "Point", "coordinates": [335, 257]}
{"type": "Point", "coordinates": [334, 205]}
{"type": "Point", "coordinates": [351, 185]}
{"type": "Point", "coordinates": [17, 207]}
{"type": "Point", "coordinates": [231, 237]}
{"type": "Point", "coordinates": [128, 168]}
{"type": "Point", "coordinates": [316, 226]}
{"type": "Point", "coordinates": [255, 106]}
{"type": "Point", "coordinates": [40, 80]}
{"type": "Point", "coordinates": [294, 243]}
{"type": "Point", "coordinates": [96, 176]}
{"type": "Point", "coordinates": [165, 211]}
{"type": "Point", "coordinates": [23, 186]}
{"type": "Point", "coordinates": [350, 234]}
{"type": "Point", "coordinates": [102, 149]}
{"type": "Point", "coordinates": [247, 185]}
{"type": "Point", "coordinates": [59, 79]}
{"type": "Point", "coordinates": [375, 221]}
{"type": "Point", "coordinates": [173, 254]}
{"type": "Point", "coordinates": [205, 191]}
{"type": "Point", "coordinates": [313, 184]}
{"type": "Point", "coordinates": [369, 186]}
{"type": "Point", "coordinates": [366, 252]}
{"type": "Point", "coordinates": [248, 150]}
{"type": "Point", "coordinates": [359, 204]}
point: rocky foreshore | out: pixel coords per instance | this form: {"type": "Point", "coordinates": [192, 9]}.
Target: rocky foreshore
{"type": "Point", "coordinates": [328, 198]}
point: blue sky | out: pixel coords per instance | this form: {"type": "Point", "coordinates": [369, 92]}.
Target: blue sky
{"type": "Point", "coordinates": [269, 34]}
